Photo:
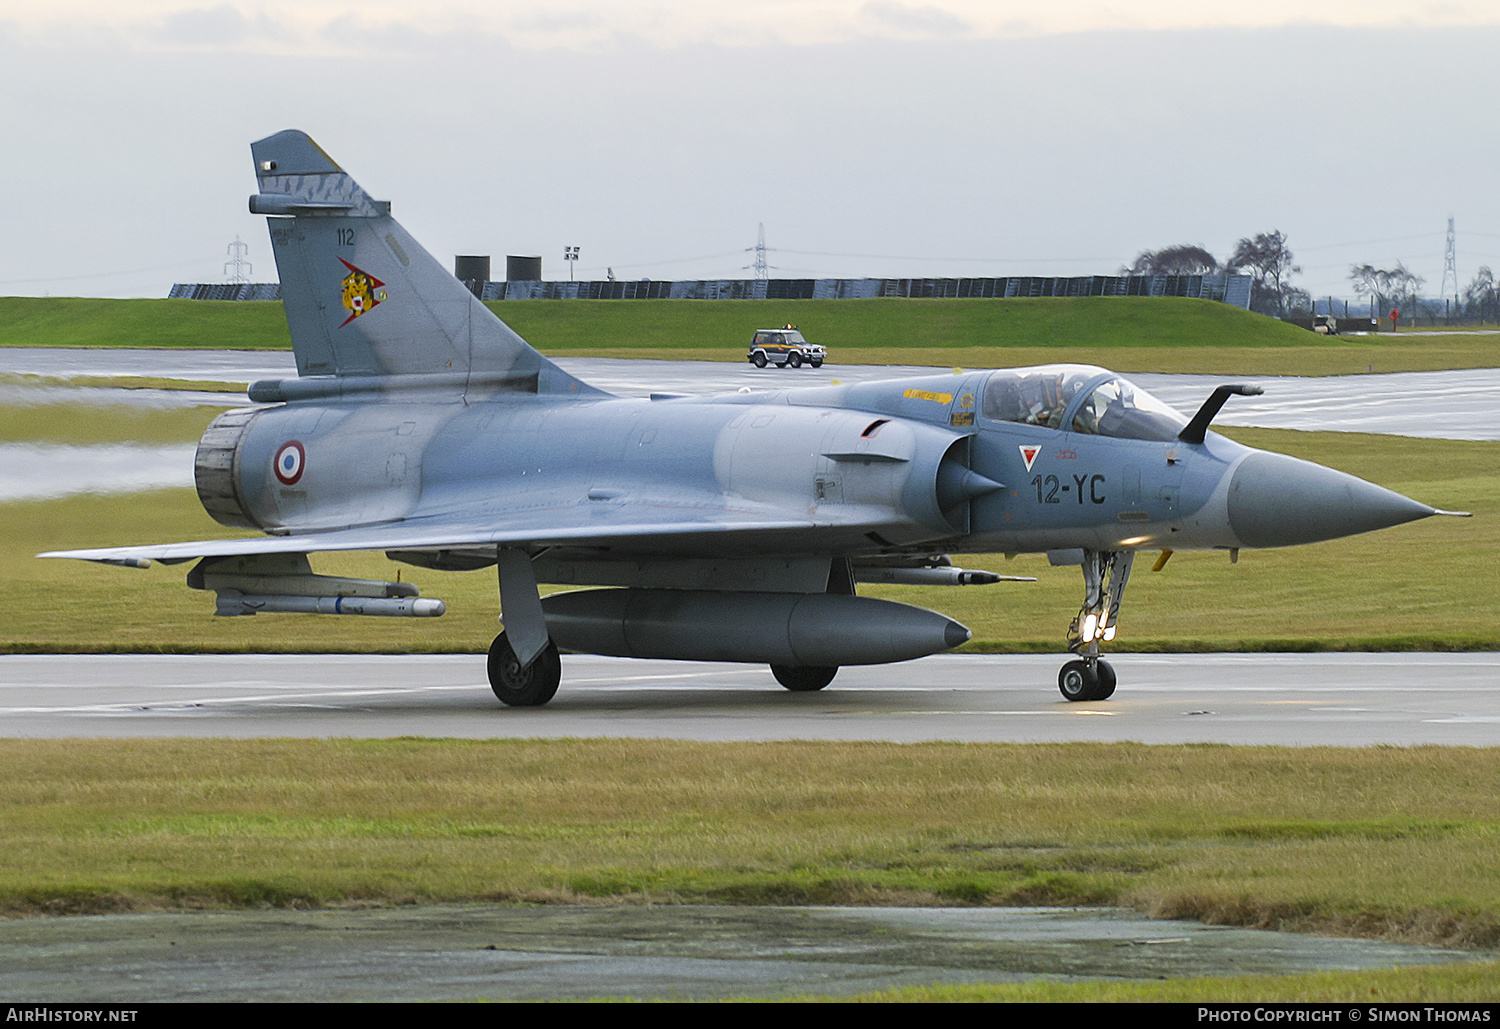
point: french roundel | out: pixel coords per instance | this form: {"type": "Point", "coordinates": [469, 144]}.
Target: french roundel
{"type": "Point", "coordinates": [290, 460]}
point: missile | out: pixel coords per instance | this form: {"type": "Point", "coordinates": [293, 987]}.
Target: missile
{"type": "Point", "coordinates": [231, 602]}
{"type": "Point", "coordinates": [817, 629]}
{"type": "Point", "coordinates": [933, 576]}
{"type": "Point", "coordinates": [284, 583]}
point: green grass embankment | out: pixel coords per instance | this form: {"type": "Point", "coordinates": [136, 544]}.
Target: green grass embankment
{"type": "Point", "coordinates": [895, 323]}
{"type": "Point", "coordinates": [93, 322]}
{"type": "Point", "coordinates": [1125, 333]}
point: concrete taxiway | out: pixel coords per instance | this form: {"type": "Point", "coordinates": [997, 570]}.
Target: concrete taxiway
{"type": "Point", "coordinates": [1293, 699]}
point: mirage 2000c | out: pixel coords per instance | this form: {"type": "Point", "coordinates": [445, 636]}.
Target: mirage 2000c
{"type": "Point", "coordinates": [726, 528]}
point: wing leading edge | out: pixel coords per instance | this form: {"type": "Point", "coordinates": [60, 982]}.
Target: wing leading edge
{"type": "Point", "coordinates": [636, 528]}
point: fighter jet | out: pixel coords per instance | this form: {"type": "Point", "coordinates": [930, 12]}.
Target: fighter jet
{"type": "Point", "coordinates": [726, 528]}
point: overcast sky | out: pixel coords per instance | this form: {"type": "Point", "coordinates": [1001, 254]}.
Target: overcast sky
{"type": "Point", "coordinates": [871, 137]}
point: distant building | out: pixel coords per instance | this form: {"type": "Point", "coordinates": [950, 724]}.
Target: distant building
{"type": "Point", "coordinates": [1228, 289]}
{"type": "Point", "coordinates": [225, 291]}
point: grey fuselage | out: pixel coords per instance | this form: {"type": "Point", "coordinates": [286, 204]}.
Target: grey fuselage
{"type": "Point", "coordinates": [857, 470]}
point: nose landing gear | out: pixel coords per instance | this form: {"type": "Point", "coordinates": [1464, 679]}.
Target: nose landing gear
{"type": "Point", "coordinates": [1090, 677]}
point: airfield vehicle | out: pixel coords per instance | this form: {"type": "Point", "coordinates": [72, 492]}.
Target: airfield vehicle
{"type": "Point", "coordinates": [727, 528]}
{"type": "Point", "coordinates": [785, 347]}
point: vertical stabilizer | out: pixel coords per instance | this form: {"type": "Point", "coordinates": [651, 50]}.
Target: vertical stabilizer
{"type": "Point", "coordinates": [362, 297]}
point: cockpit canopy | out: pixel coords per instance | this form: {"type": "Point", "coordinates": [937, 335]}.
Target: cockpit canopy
{"type": "Point", "coordinates": [1079, 398]}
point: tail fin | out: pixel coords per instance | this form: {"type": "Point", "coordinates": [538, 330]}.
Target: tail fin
{"type": "Point", "coordinates": [362, 297]}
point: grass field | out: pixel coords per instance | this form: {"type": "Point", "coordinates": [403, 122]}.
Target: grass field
{"type": "Point", "coordinates": [1326, 840]}
{"type": "Point", "coordinates": [1124, 333]}
{"type": "Point", "coordinates": [1444, 983]}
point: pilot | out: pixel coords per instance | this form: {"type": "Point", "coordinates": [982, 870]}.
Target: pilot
{"type": "Point", "coordinates": [1112, 421]}
{"type": "Point", "coordinates": [1102, 412]}
{"type": "Point", "coordinates": [1085, 419]}
{"type": "Point", "coordinates": [1047, 407]}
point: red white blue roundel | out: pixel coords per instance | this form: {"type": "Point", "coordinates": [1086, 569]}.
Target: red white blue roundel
{"type": "Point", "coordinates": [290, 460]}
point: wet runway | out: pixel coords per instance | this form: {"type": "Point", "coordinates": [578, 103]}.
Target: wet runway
{"type": "Point", "coordinates": [1445, 405]}
{"type": "Point", "coordinates": [1292, 699]}
{"type": "Point", "coordinates": [193, 365]}
{"type": "Point", "coordinates": [1448, 405]}
{"type": "Point", "coordinates": [45, 470]}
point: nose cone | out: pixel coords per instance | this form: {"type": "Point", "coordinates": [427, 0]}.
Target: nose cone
{"type": "Point", "coordinates": [1279, 501]}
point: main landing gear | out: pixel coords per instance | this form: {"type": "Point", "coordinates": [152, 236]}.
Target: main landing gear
{"type": "Point", "coordinates": [536, 683]}
{"type": "Point", "coordinates": [1090, 677]}
{"type": "Point", "coordinates": [804, 678]}
{"type": "Point", "coordinates": [529, 686]}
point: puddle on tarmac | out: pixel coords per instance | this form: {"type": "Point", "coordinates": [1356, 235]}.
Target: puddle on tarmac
{"type": "Point", "coordinates": [671, 951]}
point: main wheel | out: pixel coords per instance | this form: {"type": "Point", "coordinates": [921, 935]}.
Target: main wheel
{"type": "Point", "coordinates": [804, 678]}
{"type": "Point", "coordinates": [759, 359]}
{"type": "Point", "coordinates": [1077, 681]}
{"type": "Point", "coordinates": [531, 686]}
{"type": "Point", "coordinates": [794, 360]}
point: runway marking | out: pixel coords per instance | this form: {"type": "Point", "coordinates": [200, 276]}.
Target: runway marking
{"type": "Point", "coordinates": [657, 678]}
{"type": "Point", "coordinates": [945, 712]}
{"type": "Point", "coordinates": [264, 698]}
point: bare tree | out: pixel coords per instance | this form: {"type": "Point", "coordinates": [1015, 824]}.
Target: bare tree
{"type": "Point", "coordinates": [1183, 259]}
{"type": "Point", "coordinates": [1368, 282]}
{"type": "Point", "coordinates": [1393, 288]}
{"type": "Point", "coordinates": [1269, 263]}
{"type": "Point", "coordinates": [1480, 298]}
{"type": "Point", "coordinates": [1298, 302]}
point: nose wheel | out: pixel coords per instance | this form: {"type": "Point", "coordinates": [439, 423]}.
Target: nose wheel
{"type": "Point", "coordinates": [1090, 677]}
{"type": "Point", "coordinates": [1086, 679]}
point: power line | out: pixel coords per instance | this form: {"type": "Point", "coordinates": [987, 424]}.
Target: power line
{"type": "Point", "coordinates": [971, 260]}
{"type": "Point", "coordinates": [1366, 242]}
{"type": "Point", "coordinates": [102, 275]}
{"type": "Point", "coordinates": [681, 260]}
